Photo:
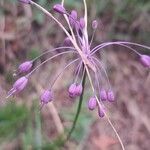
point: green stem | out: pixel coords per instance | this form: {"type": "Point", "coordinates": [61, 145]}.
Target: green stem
{"type": "Point", "coordinates": [78, 109]}
{"type": "Point", "coordinates": [61, 140]}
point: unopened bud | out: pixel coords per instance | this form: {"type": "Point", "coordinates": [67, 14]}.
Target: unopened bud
{"type": "Point", "coordinates": [110, 96]}
{"type": "Point", "coordinates": [72, 90]}
{"type": "Point", "coordinates": [101, 112]}
{"type": "Point", "coordinates": [18, 86]}
{"type": "Point", "coordinates": [103, 95]}
{"type": "Point", "coordinates": [145, 60]}
{"type": "Point", "coordinates": [94, 24]}
{"type": "Point", "coordinates": [73, 18]}
{"type": "Point", "coordinates": [67, 42]}
{"type": "Point", "coordinates": [92, 103]}
{"type": "Point", "coordinates": [77, 26]}
{"type": "Point", "coordinates": [78, 90]}
{"type": "Point", "coordinates": [25, 67]}
{"type": "Point", "coordinates": [82, 23]}
{"type": "Point", "coordinates": [46, 97]}
{"type": "Point", "coordinates": [59, 8]}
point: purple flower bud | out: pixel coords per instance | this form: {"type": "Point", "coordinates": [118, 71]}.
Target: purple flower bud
{"type": "Point", "coordinates": [18, 86]}
{"type": "Point", "coordinates": [101, 112]}
{"type": "Point", "coordinates": [94, 24]}
{"type": "Point", "coordinates": [145, 60]}
{"type": "Point", "coordinates": [82, 23]}
{"type": "Point", "coordinates": [25, 67]}
{"type": "Point", "coordinates": [92, 103]}
{"type": "Point", "coordinates": [59, 8]}
{"type": "Point", "coordinates": [77, 25]}
{"type": "Point", "coordinates": [72, 90]}
{"type": "Point", "coordinates": [46, 97]}
{"type": "Point", "coordinates": [110, 96]}
{"type": "Point", "coordinates": [67, 42]}
{"type": "Point", "coordinates": [103, 95]}
{"type": "Point", "coordinates": [78, 90]}
{"type": "Point", "coordinates": [73, 18]}
{"type": "Point", "coordinates": [25, 1]}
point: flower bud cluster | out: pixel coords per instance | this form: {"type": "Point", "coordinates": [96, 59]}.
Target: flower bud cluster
{"type": "Point", "coordinates": [92, 104]}
{"type": "Point", "coordinates": [75, 90]}
{"type": "Point", "coordinates": [77, 40]}
{"type": "Point", "coordinates": [107, 95]}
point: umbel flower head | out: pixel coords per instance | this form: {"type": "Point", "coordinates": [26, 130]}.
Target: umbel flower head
{"type": "Point", "coordinates": [77, 43]}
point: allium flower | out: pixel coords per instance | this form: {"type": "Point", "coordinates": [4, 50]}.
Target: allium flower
{"type": "Point", "coordinates": [77, 43]}
{"type": "Point", "coordinates": [85, 59]}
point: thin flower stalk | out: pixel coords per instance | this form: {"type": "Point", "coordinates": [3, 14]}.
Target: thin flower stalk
{"type": "Point", "coordinates": [68, 65]}
{"type": "Point", "coordinates": [62, 53]}
{"type": "Point", "coordinates": [97, 48]}
{"type": "Point", "coordinates": [101, 66]}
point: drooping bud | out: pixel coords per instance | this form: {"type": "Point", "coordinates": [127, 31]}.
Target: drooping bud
{"type": "Point", "coordinates": [18, 86]}
{"type": "Point", "coordinates": [72, 90]}
{"type": "Point", "coordinates": [25, 67]}
{"type": "Point", "coordinates": [77, 25]}
{"type": "Point", "coordinates": [101, 111]}
{"type": "Point", "coordinates": [110, 96]}
{"type": "Point", "coordinates": [59, 8]}
{"type": "Point", "coordinates": [46, 97]}
{"type": "Point", "coordinates": [67, 42]}
{"type": "Point", "coordinates": [103, 95]}
{"type": "Point", "coordinates": [82, 23]}
{"type": "Point", "coordinates": [92, 103]}
{"type": "Point", "coordinates": [78, 90]}
{"type": "Point", "coordinates": [94, 24]}
{"type": "Point", "coordinates": [145, 60]}
{"type": "Point", "coordinates": [73, 17]}
{"type": "Point", "coordinates": [25, 1]}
